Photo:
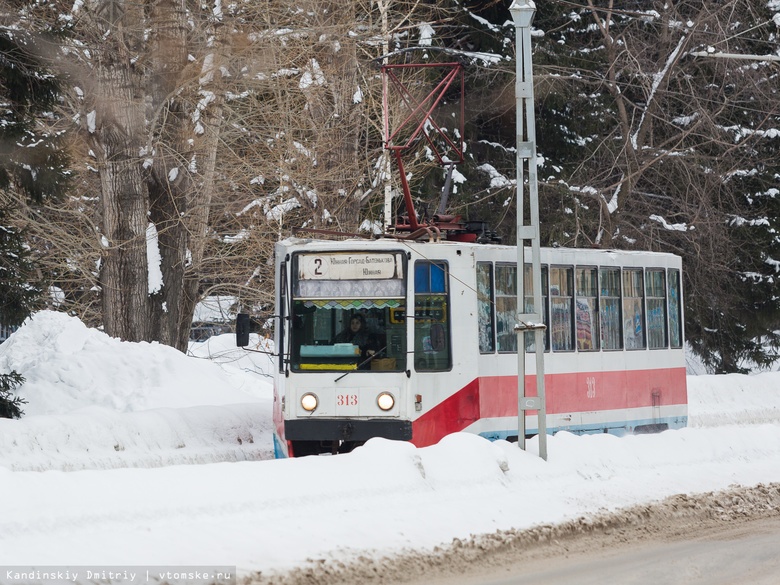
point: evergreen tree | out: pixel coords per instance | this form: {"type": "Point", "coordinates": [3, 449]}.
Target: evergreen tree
{"type": "Point", "coordinates": [30, 158]}
{"type": "Point", "coordinates": [645, 146]}
{"type": "Point", "coordinates": [20, 290]}
{"type": "Point", "coordinates": [10, 405]}
{"type": "Point", "coordinates": [31, 168]}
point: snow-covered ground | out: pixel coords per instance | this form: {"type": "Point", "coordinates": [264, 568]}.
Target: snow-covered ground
{"type": "Point", "coordinates": [99, 472]}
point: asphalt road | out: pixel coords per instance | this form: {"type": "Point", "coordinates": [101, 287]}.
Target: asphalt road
{"type": "Point", "coordinates": [742, 553]}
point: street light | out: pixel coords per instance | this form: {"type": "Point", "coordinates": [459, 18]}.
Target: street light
{"type": "Point", "coordinates": [523, 14]}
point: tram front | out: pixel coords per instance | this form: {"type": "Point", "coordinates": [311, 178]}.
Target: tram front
{"type": "Point", "coordinates": [342, 336]}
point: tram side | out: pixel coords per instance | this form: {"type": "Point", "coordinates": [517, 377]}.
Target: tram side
{"type": "Point", "coordinates": [614, 359]}
{"type": "Point", "coordinates": [445, 353]}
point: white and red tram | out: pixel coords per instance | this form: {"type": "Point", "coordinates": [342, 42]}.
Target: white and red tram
{"type": "Point", "coordinates": [441, 317]}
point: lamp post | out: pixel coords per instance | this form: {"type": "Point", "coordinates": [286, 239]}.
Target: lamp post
{"type": "Point", "coordinates": [522, 14]}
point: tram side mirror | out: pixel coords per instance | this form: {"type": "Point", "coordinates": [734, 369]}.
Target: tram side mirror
{"type": "Point", "coordinates": [242, 330]}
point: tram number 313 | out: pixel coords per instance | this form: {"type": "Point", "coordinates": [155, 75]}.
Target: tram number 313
{"type": "Point", "coordinates": [591, 382]}
{"type": "Point", "coordinates": [346, 399]}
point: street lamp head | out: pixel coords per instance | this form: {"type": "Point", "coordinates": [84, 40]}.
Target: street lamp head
{"type": "Point", "coordinates": [523, 12]}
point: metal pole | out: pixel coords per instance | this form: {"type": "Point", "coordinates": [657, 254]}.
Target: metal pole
{"type": "Point", "coordinates": [519, 134]}
{"type": "Point", "coordinates": [522, 13]}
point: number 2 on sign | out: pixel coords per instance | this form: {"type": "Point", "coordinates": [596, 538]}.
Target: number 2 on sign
{"type": "Point", "coordinates": [346, 399]}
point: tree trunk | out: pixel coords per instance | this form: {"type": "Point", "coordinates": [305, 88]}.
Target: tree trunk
{"type": "Point", "coordinates": [169, 182]}
{"type": "Point", "coordinates": [116, 139]}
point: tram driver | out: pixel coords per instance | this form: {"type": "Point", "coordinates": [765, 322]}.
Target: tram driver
{"type": "Point", "coordinates": [358, 334]}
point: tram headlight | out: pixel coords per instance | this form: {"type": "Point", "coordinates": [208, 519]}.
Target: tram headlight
{"type": "Point", "coordinates": [309, 401]}
{"type": "Point", "coordinates": [385, 401]}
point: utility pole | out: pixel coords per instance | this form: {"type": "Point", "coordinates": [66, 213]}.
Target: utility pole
{"type": "Point", "coordinates": [522, 14]}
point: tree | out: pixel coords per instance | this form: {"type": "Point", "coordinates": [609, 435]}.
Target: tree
{"type": "Point", "coordinates": [30, 170]}
{"type": "Point", "coordinates": [198, 129]}
{"type": "Point", "coordinates": [645, 146]}
{"type": "Point", "coordinates": [149, 115]}
{"type": "Point", "coordinates": [207, 132]}
{"type": "Point", "coordinates": [10, 405]}
{"type": "Point", "coordinates": [689, 162]}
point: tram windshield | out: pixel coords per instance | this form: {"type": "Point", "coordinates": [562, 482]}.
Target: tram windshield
{"type": "Point", "coordinates": [348, 312]}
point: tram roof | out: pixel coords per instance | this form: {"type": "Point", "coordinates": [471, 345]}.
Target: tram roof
{"type": "Point", "coordinates": [549, 254]}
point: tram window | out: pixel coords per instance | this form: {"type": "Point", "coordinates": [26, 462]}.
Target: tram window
{"type": "Point", "coordinates": [675, 314]}
{"type": "Point", "coordinates": [485, 300]}
{"type": "Point", "coordinates": [431, 317]}
{"type": "Point", "coordinates": [347, 334]}
{"type": "Point", "coordinates": [561, 309]}
{"type": "Point", "coordinates": [587, 309]}
{"type": "Point", "coordinates": [506, 307]}
{"type": "Point", "coordinates": [528, 295]}
{"type": "Point", "coordinates": [344, 316]}
{"type": "Point", "coordinates": [430, 277]}
{"type": "Point", "coordinates": [656, 308]}
{"type": "Point", "coordinates": [609, 308]}
{"type": "Point", "coordinates": [633, 309]}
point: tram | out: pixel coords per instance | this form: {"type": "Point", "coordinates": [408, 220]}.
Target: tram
{"type": "Point", "coordinates": [413, 340]}
{"type": "Point", "coordinates": [409, 338]}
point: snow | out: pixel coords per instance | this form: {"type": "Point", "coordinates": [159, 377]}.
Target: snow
{"type": "Point", "coordinates": [312, 75]}
{"type": "Point", "coordinates": [426, 34]}
{"type": "Point", "coordinates": [675, 227]}
{"type": "Point", "coordinates": [134, 454]}
{"type": "Point", "coordinates": [215, 309]}
{"type": "Point", "coordinates": [497, 180]}
{"type": "Point", "coordinates": [657, 79]}
{"type": "Point", "coordinates": [153, 260]}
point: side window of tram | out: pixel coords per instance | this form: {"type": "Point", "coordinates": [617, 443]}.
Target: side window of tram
{"type": "Point", "coordinates": [431, 318]}
{"type": "Point", "coordinates": [528, 295]}
{"type": "Point", "coordinates": [586, 309]}
{"type": "Point", "coordinates": [609, 308]}
{"type": "Point", "coordinates": [633, 309]}
{"type": "Point", "coordinates": [561, 308]}
{"type": "Point", "coordinates": [656, 308]}
{"type": "Point", "coordinates": [506, 307]}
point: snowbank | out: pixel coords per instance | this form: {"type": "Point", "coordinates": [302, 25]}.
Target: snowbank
{"type": "Point", "coordinates": [98, 404]}
{"type": "Point", "coordinates": [68, 366]}
{"type": "Point", "coordinates": [95, 402]}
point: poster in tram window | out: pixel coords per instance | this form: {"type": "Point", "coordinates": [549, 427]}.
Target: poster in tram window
{"type": "Point", "coordinates": [586, 319]}
{"type": "Point", "coordinates": [632, 326]}
{"type": "Point", "coordinates": [560, 309]}
{"type": "Point", "coordinates": [610, 324]}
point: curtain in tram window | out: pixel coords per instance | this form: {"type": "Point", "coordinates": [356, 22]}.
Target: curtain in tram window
{"type": "Point", "coordinates": [609, 310]}
{"type": "Point", "coordinates": [319, 289]}
{"type": "Point", "coordinates": [675, 323]}
{"type": "Point", "coordinates": [485, 307]}
{"type": "Point", "coordinates": [656, 309]}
